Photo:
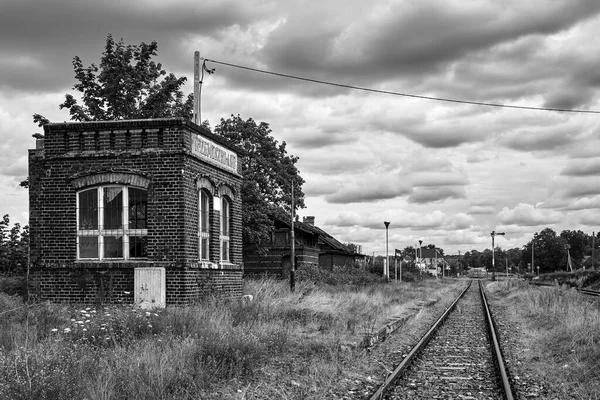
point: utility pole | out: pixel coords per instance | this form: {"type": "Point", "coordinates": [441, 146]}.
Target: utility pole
{"type": "Point", "coordinates": [593, 244]}
{"type": "Point", "coordinates": [386, 269]}
{"type": "Point", "coordinates": [532, 250]}
{"type": "Point", "coordinates": [196, 86]}
{"type": "Point", "coordinates": [197, 119]}
{"type": "Point", "coordinates": [293, 248]}
{"type": "Point", "coordinates": [420, 256]}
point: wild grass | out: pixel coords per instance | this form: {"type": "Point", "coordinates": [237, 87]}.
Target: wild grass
{"type": "Point", "coordinates": [282, 344]}
{"type": "Point", "coordinates": [564, 327]}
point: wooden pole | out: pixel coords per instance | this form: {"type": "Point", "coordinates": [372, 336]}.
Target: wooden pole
{"type": "Point", "coordinates": [293, 248]}
{"type": "Point", "coordinates": [593, 244]}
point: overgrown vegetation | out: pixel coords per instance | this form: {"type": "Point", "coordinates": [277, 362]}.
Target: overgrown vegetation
{"type": "Point", "coordinates": [280, 345]}
{"type": "Point", "coordinates": [589, 279]}
{"type": "Point", "coordinates": [559, 327]}
{"type": "Point", "coordinates": [14, 244]}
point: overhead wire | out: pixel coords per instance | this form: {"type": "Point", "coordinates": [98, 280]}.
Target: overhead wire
{"type": "Point", "coordinates": [416, 96]}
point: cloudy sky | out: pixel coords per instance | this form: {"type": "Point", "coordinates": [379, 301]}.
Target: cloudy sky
{"type": "Point", "coordinates": [448, 173]}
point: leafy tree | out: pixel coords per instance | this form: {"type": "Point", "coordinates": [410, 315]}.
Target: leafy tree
{"type": "Point", "coordinates": [14, 246]}
{"type": "Point", "coordinates": [269, 173]}
{"type": "Point", "coordinates": [3, 239]}
{"type": "Point", "coordinates": [578, 243]}
{"type": "Point", "coordinates": [514, 257]}
{"type": "Point", "coordinates": [409, 252]}
{"type": "Point", "coordinates": [126, 85]}
{"type": "Point", "coordinates": [549, 251]}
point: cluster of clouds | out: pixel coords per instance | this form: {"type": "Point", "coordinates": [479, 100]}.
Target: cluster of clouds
{"type": "Point", "coordinates": [446, 172]}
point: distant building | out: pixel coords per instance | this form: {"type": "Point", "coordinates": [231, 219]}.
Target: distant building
{"type": "Point", "coordinates": [313, 246]}
{"type": "Point", "coordinates": [134, 211]}
{"type": "Point", "coordinates": [429, 261]}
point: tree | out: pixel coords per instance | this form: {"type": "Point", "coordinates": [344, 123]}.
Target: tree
{"type": "Point", "coordinates": [409, 252]}
{"type": "Point", "coordinates": [549, 251]}
{"type": "Point", "coordinates": [514, 257]}
{"type": "Point", "coordinates": [126, 85]}
{"type": "Point", "coordinates": [578, 243]}
{"type": "Point", "coordinates": [14, 245]}
{"type": "Point", "coordinates": [269, 173]}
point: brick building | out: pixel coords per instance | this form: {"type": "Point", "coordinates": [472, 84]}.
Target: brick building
{"type": "Point", "coordinates": [134, 211]}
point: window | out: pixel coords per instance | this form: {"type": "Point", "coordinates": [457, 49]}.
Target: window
{"type": "Point", "coordinates": [224, 237]}
{"type": "Point", "coordinates": [203, 225]}
{"type": "Point", "coordinates": [112, 223]}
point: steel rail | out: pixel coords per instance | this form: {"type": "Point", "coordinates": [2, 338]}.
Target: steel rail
{"type": "Point", "coordinates": [496, 346]}
{"type": "Point", "coordinates": [580, 290]}
{"type": "Point", "coordinates": [589, 292]}
{"type": "Point", "coordinates": [418, 347]}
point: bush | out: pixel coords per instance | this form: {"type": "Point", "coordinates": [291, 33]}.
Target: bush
{"type": "Point", "coordinates": [13, 285]}
{"type": "Point", "coordinates": [353, 275]}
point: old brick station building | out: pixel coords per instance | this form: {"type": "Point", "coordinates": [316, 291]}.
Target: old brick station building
{"type": "Point", "coordinates": [134, 211]}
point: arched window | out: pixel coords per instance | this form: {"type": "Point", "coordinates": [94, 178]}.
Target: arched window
{"type": "Point", "coordinates": [203, 224]}
{"type": "Point", "coordinates": [112, 223]}
{"type": "Point", "coordinates": [225, 225]}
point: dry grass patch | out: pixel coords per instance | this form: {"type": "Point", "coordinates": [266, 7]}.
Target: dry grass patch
{"type": "Point", "coordinates": [560, 330]}
{"type": "Point", "coordinates": [280, 345]}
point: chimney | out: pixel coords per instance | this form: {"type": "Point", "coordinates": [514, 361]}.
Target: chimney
{"type": "Point", "coordinates": [309, 220]}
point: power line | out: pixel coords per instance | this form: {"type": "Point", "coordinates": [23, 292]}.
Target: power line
{"type": "Point", "coordinates": [416, 96]}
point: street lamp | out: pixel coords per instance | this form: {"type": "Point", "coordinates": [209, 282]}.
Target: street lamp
{"type": "Point", "coordinates": [386, 270]}
{"type": "Point", "coordinates": [420, 257]}
{"type": "Point", "coordinates": [494, 233]}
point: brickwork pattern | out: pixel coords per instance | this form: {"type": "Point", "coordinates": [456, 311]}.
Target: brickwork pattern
{"type": "Point", "coordinates": [152, 153]}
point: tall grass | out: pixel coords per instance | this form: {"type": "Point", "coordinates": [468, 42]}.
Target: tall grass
{"type": "Point", "coordinates": [208, 350]}
{"type": "Point", "coordinates": [565, 327]}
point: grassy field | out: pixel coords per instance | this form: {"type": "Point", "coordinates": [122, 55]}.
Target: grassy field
{"type": "Point", "coordinates": [559, 335]}
{"type": "Point", "coordinates": [281, 345]}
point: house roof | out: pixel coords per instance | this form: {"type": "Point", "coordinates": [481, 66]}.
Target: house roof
{"type": "Point", "coordinates": [324, 237]}
{"type": "Point", "coordinates": [299, 226]}
{"type": "Point", "coordinates": [430, 253]}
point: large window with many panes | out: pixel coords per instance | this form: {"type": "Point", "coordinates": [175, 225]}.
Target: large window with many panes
{"type": "Point", "coordinates": [224, 236]}
{"type": "Point", "coordinates": [203, 224]}
{"type": "Point", "coordinates": [112, 223]}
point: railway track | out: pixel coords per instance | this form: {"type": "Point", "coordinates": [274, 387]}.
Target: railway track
{"type": "Point", "coordinates": [589, 292]}
{"type": "Point", "coordinates": [458, 358]}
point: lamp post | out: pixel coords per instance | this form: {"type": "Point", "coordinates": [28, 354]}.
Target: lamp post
{"type": "Point", "coordinates": [386, 270]}
{"type": "Point", "coordinates": [494, 234]}
{"type": "Point", "coordinates": [420, 256]}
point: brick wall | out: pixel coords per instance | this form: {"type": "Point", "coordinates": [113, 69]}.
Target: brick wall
{"type": "Point", "coordinates": [155, 153]}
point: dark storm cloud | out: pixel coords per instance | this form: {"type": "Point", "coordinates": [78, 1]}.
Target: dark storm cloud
{"type": "Point", "coordinates": [50, 34]}
{"type": "Point", "coordinates": [416, 39]}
